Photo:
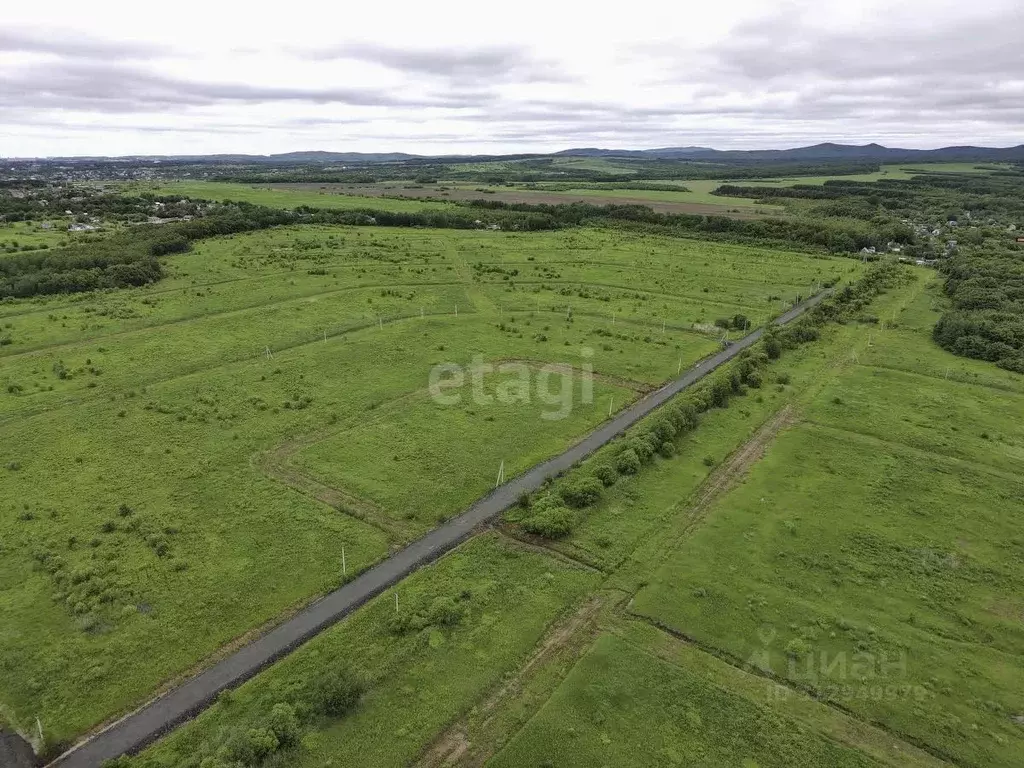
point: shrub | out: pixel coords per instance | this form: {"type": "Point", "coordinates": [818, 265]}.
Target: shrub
{"type": "Point", "coordinates": [446, 612]}
{"type": "Point", "coordinates": [755, 380]}
{"type": "Point", "coordinates": [797, 648]}
{"type": "Point", "coordinates": [256, 746]}
{"type": "Point", "coordinates": [642, 447]}
{"type": "Point", "coordinates": [284, 724]}
{"type": "Point", "coordinates": [551, 523]}
{"type": "Point", "coordinates": [581, 492]}
{"type": "Point", "coordinates": [709, 461]}
{"type": "Point", "coordinates": [664, 429]}
{"type": "Point", "coordinates": [336, 691]}
{"type": "Point", "coordinates": [667, 449]}
{"type": "Point", "coordinates": [627, 462]}
{"type": "Point", "coordinates": [606, 474]}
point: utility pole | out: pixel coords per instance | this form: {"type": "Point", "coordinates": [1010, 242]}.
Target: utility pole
{"type": "Point", "coordinates": [610, 398]}
{"type": "Point", "coordinates": [501, 474]}
{"type": "Point", "coordinates": [344, 567]}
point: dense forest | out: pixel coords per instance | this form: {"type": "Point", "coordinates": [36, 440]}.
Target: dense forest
{"type": "Point", "coordinates": [980, 216]}
{"type": "Point", "coordinates": [986, 320]}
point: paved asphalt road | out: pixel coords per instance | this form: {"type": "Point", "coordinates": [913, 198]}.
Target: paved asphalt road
{"type": "Point", "coordinates": [159, 716]}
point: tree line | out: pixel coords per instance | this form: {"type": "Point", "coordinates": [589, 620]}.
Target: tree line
{"type": "Point", "coordinates": [986, 317]}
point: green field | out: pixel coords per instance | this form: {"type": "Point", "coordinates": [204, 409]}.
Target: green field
{"type": "Point", "coordinates": [695, 192]}
{"type": "Point", "coordinates": [16, 235]}
{"type": "Point", "coordinates": [601, 164]}
{"type": "Point", "coordinates": [872, 555]}
{"type": "Point", "coordinates": [418, 680]}
{"type": "Point", "coordinates": [281, 198]}
{"type": "Point", "coordinates": [735, 615]}
{"type": "Point", "coordinates": [607, 727]}
{"type": "Point", "coordinates": [887, 171]}
{"type": "Point", "coordinates": [171, 453]}
{"type": "Point", "coordinates": [623, 707]}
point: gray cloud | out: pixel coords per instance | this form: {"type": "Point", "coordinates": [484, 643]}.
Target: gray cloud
{"type": "Point", "coordinates": [785, 68]}
{"type": "Point", "coordinates": [113, 88]}
{"type": "Point", "coordinates": [787, 46]}
{"type": "Point", "coordinates": [778, 80]}
{"type": "Point", "coordinates": [495, 64]}
{"type": "Point", "coordinates": [72, 45]}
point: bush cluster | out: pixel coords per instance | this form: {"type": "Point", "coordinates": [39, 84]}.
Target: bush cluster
{"type": "Point", "coordinates": [274, 730]}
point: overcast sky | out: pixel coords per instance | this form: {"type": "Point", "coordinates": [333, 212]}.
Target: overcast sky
{"type": "Point", "coordinates": [109, 77]}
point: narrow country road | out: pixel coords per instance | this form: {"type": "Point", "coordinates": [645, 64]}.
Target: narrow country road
{"type": "Point", "coordinates": [136, 730]}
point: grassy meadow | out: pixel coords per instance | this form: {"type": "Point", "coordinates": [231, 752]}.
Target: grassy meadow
{"type": "Point", "coordinates": [172, 454]}
{"type": "Point", "coordinates": [846, 594]}
{"type": "Point", "coordinates": [621, 706]}
{"type": "Point", "coordinates": [418, 680]}
{"type": "Point", "coordinates": [872, 556]}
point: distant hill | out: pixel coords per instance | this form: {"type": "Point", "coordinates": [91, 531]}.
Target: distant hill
{"type": "Point", "coordinates": [818, 152]}
{"type": "Point", "coordinates": [345, 157]}
{"type": "Point", "coordinates": [668, 152]}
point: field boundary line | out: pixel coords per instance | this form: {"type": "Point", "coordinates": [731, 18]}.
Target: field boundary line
{"type": "Point", "coordinates": [305, 297]}
{"type": "Point", "coordinates": [867, 437]}
{"type": "Point", "coordinates": [77, 398]}
{"type": "Point", "coordinates": [678, 637]}
{"type": "Point", "coordinates": [808, 690]}
{"type": "Point", "coordinates": [952, 379]}
{"type": "Point", "coordinates": [276, 463]}
{"type": "Point", "coordinates": [452, 745]}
